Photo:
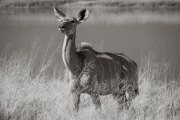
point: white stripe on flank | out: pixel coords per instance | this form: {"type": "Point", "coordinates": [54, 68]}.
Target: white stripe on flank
{"type": "Point", "coordinates": [102, 69]}
{"type": "Point", "coordinates": [110, 69]}
{"type": "Point", "coordinates": [114, 66]}
{"type": "Point", "coordinates": [124, 67]}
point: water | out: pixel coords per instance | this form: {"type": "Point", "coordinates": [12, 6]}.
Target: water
{"type": "Point", "coordinates": [134, 33]}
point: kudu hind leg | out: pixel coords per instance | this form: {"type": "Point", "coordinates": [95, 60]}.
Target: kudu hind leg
{"type": "Point", "coordinates": [135, 87]}
{"type": "Point", "coordinates": [132, 91]}
{"type": "Point", "coordinates": [123, 103]}
{"type": "Point", "coordinates": [121, 100]}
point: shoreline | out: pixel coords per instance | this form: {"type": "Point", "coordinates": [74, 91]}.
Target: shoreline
{"type": "Point", "coordinates": [122, 5]}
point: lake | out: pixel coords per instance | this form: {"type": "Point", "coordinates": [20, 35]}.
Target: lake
{"type": "Point", "coordinates": [134, 33]}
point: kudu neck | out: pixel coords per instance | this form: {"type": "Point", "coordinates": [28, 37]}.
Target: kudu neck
{"type": "Point", "coordinates": [69, 54]}
{"type": "Point", "coordinates": [71, 36]}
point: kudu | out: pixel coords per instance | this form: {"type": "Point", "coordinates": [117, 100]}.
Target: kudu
{"type": "Point", "coordinates": [95, 73]}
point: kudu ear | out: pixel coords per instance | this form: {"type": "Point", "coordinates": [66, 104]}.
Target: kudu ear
{"type": "Point", "coordinates": [59, 15]}
{"type": "Point", "coordinates": [83, 15]}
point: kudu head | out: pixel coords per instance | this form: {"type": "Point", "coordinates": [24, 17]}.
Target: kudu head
{"type": "Point", "coordinates": [68, 24]}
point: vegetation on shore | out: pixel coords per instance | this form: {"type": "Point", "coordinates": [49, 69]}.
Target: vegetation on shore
{"type": "Point", "coordinates": [123, 4]}
{"type": "Point", "coordinates": [35, 97]}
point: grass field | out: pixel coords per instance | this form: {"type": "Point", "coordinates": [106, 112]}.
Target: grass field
{"type": "Point", "coordinates": [24, 96]}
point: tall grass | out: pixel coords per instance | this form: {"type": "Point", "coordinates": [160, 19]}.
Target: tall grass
{"type": "Point", "coordinates": [38, 97]}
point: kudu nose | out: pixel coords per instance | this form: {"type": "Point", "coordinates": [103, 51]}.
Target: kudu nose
{"type": "Point", "coordinates": [61, 27]}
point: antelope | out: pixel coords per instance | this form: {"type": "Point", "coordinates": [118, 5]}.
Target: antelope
{"type": "Point", "coordinates": [92, 72]}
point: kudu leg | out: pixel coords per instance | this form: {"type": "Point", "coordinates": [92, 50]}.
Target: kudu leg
{"type": "Point", "coordinates": [96, 101]}
{"type": "Point", "coordinates": [121, 101]}
{"type": "Point", "coordinates": [122, 104]}
{"type": "Point", "coordinates": [76, 101]}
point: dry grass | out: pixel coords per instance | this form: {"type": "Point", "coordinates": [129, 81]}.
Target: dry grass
{"type": "Point", "coordinates": [23, 97]}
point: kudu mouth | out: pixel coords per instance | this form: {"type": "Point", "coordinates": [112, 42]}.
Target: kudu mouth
{"type": "Point", "coordinates": [62, 28]}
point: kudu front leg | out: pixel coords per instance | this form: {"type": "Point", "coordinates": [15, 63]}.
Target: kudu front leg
{"type": "Point", "coordinates": [76, 101]}
{"type": "Point", "coordinates": [96, 101]}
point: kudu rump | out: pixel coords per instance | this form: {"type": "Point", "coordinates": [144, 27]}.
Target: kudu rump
{"type": "Point", "coordinates": [95, 73]}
